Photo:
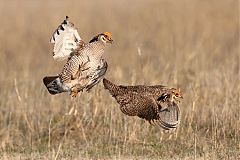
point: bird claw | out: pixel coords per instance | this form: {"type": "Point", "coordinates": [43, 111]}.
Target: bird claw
{"type": "Point", "coordinates": [74, 94]}
{"type": "Point", "coordinates": [76, 89]}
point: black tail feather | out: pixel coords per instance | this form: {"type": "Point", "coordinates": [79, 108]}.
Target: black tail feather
{"type": "Point", "coordinates": [107, 84]}
{"type": "Point", "coordinates": [51, 84]}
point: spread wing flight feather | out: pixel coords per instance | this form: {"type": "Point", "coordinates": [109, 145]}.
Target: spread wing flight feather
{"type": "Point", "coordinates": [65, 39]}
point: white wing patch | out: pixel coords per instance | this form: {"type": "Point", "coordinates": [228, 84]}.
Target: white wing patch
{"type": "Point", "coordinates": [65, 39]}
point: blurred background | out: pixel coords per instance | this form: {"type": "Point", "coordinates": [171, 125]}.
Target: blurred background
{"type": "Point", "coordinates": [191, 44]}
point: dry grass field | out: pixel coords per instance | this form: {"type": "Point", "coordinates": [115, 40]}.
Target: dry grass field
{"type": "Point", "coordinates": [191, 44]}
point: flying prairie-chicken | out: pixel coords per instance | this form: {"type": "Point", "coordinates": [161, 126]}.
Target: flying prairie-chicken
{"type": "Point", "coordinates": [156, 104]}
{"type": "Point", "coordinates": [85, 66]}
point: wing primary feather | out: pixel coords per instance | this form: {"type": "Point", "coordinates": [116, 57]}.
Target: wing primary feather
{"type": "Point", "coordinates": [66, 40]}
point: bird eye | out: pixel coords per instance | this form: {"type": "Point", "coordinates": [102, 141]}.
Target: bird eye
{"type": "Point", "coordinates": [103, 38]}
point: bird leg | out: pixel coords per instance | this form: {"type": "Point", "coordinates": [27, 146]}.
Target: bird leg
{"type": "Point", "coordinates": [151, 122]}
{"type": "Point", "coordinates": [74, 91]}
{"type": "Point", "coordinates": [77, 88]}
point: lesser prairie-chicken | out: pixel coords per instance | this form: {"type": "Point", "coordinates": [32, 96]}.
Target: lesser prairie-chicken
{"type": "Point", "coordinates": [85, 66]}
{"type": "Point", "coordinates": [157, 104]}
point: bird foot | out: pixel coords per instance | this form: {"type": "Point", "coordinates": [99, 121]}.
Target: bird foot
{"type": "Point", "coordinates": [74, 92]}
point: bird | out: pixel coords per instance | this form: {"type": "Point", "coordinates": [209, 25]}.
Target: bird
{"type": "Point", "coordinates": [85, 66]}
{"type": "Point", "coordinates": [157, 104]}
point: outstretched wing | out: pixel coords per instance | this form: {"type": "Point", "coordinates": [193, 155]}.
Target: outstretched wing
{"type": "Point", "coordinates": [65, 39]}
{"type": "Point", "coordinates": [169, 118]}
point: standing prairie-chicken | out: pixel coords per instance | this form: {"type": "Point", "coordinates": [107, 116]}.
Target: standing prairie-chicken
{"type": "Point", "coordinates": [85, 66]}
{"type": "Point", "coordinates": [156, 104]}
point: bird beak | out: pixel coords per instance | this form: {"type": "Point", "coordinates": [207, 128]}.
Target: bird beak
{"type": "Point", "coordinates": [110, 41]}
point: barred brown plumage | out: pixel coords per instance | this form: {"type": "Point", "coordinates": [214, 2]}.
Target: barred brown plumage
{"type": "Point", "coordinates": [85, 66]}
{"type": "Point", "coordinates": [156, 104]}
{"type": "Point", "coordinates": [88, 61]}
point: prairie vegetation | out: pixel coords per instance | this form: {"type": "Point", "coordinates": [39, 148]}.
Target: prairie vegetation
{"type": "Point", "coordinates": [189, 44]}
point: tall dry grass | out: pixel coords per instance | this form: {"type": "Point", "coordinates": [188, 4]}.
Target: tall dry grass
{"type": "Point", "coordinates": [189, 44]}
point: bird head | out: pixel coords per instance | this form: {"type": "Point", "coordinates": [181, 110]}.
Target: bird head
{"type": "Point", "coordinates": [176, 94]}
{"type": "Point", "coordinates": [105, 37]}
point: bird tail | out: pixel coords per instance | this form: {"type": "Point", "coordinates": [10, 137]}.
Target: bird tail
{"type": "Point", "coordinates": [112, 88]}
{"type": "Point", "coordinates": [53, 84]}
